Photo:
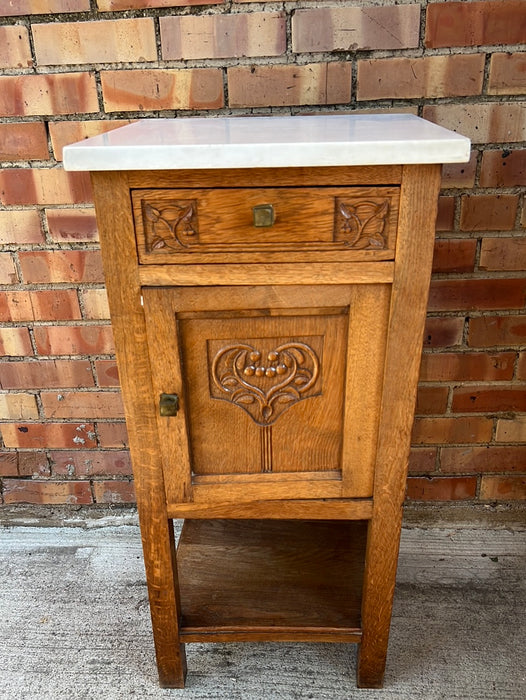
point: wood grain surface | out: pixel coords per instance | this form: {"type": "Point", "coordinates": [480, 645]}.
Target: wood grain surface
{"type": "Point", "coordinates": [293, 577]}
{"type": "Point", "coordinates": [217, 225]}
{"type": "Point", "coordinates": [414, 253]}
{"type": "Point", "coordinates": [124, 294]}
{"type": "Point", "coordinates": [294, 508]}
{"type": "Point", "coordinates": [268, 177]}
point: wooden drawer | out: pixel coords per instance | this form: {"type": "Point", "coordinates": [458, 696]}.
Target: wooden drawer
{"type": "Point", "coordinates": [304, 224]}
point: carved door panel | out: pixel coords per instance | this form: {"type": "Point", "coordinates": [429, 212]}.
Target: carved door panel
{"type": "Point", "coordinates": [272, 382]}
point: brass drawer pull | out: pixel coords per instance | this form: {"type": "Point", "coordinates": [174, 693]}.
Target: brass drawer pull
{"type": "Point", "coordinates": [168, 404]}
{"type": "Point", "coordinates": [263, 215]}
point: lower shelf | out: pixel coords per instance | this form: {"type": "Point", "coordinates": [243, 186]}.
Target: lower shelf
{"type": "Point", "coordinates": [271, 580]}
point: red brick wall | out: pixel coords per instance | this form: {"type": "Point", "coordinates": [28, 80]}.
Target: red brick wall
{"type": "Point", "coordinates": [74, 68]}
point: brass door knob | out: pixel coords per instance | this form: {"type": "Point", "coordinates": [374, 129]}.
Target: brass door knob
{"type": "Point", "coordinates": [168, 404]}
{"type": "Point", "coordinates": [263, 215]}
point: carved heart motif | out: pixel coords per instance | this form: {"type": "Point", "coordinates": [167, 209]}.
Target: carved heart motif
{"type": "Point", "coordinates": [264, 384]}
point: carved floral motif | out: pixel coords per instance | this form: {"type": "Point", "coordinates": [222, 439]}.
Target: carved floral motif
{"type": "Point", "coordinates": [173, 226]}
{"type": "Point", "coordinates": [265, 384]}
{"type": "Point", "coordinates": [360, 224]}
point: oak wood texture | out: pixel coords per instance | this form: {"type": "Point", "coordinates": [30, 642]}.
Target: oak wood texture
{"type": "Point", "coordinates": [418, 206]}
{"type": "Point", "coordinates": [304, 436]}
{"type": "Point", "coordinates": [114, 215]}
{"type": "Point", "coordinates": [359, 324]}
{"type": "Point", "coordinates": [260, 579]}
{"type": "Point", "coordinates": [217, 225]}
{"type": "Point", "coordinates": [315, 509]}
{"type": "Point", "coordinates": [338, 176]}
{"type": "Point", "coordinates": [264, 273]}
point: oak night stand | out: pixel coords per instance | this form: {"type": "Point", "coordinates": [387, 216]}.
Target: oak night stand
{"type": "Point", "coordinates": [268, 280]}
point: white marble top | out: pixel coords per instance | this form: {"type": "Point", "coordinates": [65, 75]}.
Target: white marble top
{"type": "Point", "coordinates": [265, 142]}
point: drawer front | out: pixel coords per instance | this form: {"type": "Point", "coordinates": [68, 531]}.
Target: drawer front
{"type": "Point", "coordinates": [213, 225]}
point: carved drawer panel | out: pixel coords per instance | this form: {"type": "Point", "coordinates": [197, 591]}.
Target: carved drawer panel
{"type": "Point", "coordinates": [216, 225]}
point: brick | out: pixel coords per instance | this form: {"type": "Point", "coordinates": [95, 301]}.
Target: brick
{"type": "Point", "coordinates": [44, 266]}
{"type": "Point", "coordinates": [8, 273]}
{"type": "Point", "coordinates": [48, 94]}
{"type": "Point", "coordinates": [439, 431]}
{"type": "Point", "coordinates": [35, 464]}
{"type": "Point", "coordinates": [454, 255]}
{"type": "Point", "coordinates": [278, 85]}
{"type": "Point", "coordinates": [521, 366]}
{"type": "Point", "coordinates": [40, 7]}
{"type": "Point", "coordinates": [511, 429]}
{"type": "Point", "coordinates": [48, 435]}
{"type": "Point", "coordinates": [488, 399]}
{"type": "Point", "coordinates": [74, 340]}
{"type": "Point", "coordinates": [24, 141]}
{"type": "Point", "coordinates": [70, 225]}
{"type": "Point", "coordinates": [20, 227]}
{"type": "Point", "coordinates": [113, 5]}
{"type": "Point", "coordinates": [503, 488]}
{"type": "Point", "coordinates": [18, 407]}
{"type": "Point", "coordinates": [477, 294]}
{"type": "Point", "coordinates": [446, 214]}
{"type": "Point", "coordinates": [489, 331]}
{"type": "Point", "coordinates": [113, 435]}
{"type": "Point", "coordinates": [223, 36]}
{"type": "Point", "coordinates": [15, 342]}
{"type": "Point", "coordinates": [376, 109]}
{"type": "Point", "coordinates": [507, 74]}
{"type": "Point", "coordinates": [431, 400]}
{"type": "Point", "coordinates": [64, 133]}
{"type": "Point", "coordinates": [467, 366]}
{"type": "Point", "coordinates": [15, 51]}
{"type": "Point", "coordinates": [82, 404]}
{"type": "Point", "coordinates": [45, 305]}
{"type": "Point", "coordinates": [460, 174]}
{"type": "Point", "coordinates": [88, 463]}
{"type": "Point", "coordinates": [48, 492]}
{"type": "Point", "coordinates": [490, 458]}
{"type": "Point", "coordinates": [503, 254]}
{"type": "Point", "coordinates": [475, 23]}
{"type": "Point", "coordinates": [16, 306]}
{"type": "Point", "coordinates": [503, 168]}
{"type": "Point", "coordinates": [488, 212]}
{"type": "Point", "coordinates": [114, 492]}
{"type": "Point", "coordinates": [150, 90]}
{"type": "Point", "coordinates": [108, 41]}
{"type": "Point", "coordinates": [443, 332]}
{"type": "Point", "coordinates": [429, 77]}
{"type": "Point", "coordinates": [107, 373]}
{"type": "Point", "coordinates": [498, 122]}
{"type": "Point", "coordinates": [44, 186]}
{"type": "Point", "coordinates": [353, 28]}
{"type": "Point", "coordinates": [8, 464]}
{"type": "Point", "coordinates": [422, 460]}
{"type": "Point", "coordinates": [46, 374]}
{"type": "Point", "coordinates": [94, 304]}
{"type": "Point", "coordinates": [458, 488]}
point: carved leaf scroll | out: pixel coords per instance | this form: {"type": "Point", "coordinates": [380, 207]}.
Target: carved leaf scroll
{"type": "Point", "coordinates": [265, 383]}
{"type": "Point", "coordinates": [360, 224]}
{"type": "Point", "coordinates": [172, 226]}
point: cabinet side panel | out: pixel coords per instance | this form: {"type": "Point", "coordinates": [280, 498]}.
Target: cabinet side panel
{"type": "Point", "coordinates": [418, 207]}
{"type": "Point", "coordinates": [120, 266]}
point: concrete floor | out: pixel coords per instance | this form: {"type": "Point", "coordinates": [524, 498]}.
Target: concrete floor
{"type": "Point", "coordinates": [74, 624]}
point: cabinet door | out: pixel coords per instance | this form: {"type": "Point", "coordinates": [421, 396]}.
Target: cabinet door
{"type": "Point", "coordinates": [279, 389]}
